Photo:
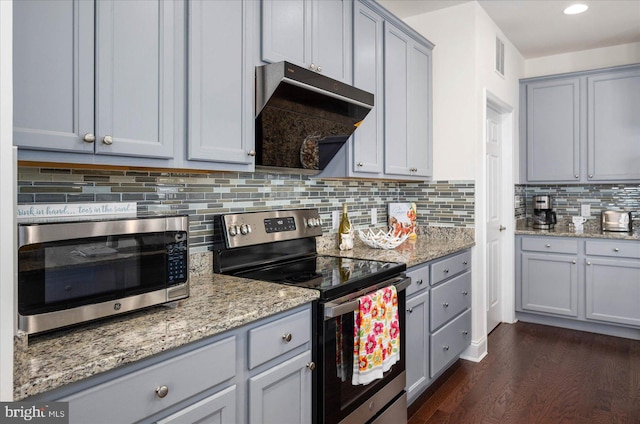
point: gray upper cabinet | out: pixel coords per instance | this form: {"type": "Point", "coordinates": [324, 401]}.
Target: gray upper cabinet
{"type": "Point", "coordinates": [614, 126]}
{"type": "Point", "coordinates": [581, 127]}
{"type": "Point", "coordinates": [135, 55]}
{"type": "Point", "coordinates": [131, 90]}
{"type": "Point", "coordinates": [53, 70]}
{"type": "Point", "coordinates": [220, 84]}
{"type": "Point", "coordinates": [553, 130]}
{"type": "Point", "coordinates": [407, 104]}
{"type": "Point", "coordinates": [315, 34]}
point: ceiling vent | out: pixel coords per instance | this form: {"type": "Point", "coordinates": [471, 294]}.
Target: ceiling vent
{"type": "Point", "coordinates": [499, 56]}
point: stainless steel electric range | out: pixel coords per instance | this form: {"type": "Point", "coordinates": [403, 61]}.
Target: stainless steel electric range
{"type": "Point", "coordinates": [280, 246]}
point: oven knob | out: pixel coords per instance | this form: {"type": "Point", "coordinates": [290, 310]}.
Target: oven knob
{"type": "Point", "coordinates": [245, 229]}
{"type": "Point", "coordinates": [312, 222]}
{"type": "Point", "coordinates": [233, 231]}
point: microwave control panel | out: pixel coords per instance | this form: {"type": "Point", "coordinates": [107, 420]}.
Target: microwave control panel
{"type": "Point", "coordinates": [177, 260]}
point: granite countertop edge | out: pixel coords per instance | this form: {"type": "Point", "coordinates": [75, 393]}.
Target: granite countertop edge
{"type": "Point", "coordinates": [217, 303]}
{"type": "Point", "coordinates": [590, 231]}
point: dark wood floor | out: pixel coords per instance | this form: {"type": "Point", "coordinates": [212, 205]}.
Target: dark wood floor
{"type": "Point", "coordinates": [539, 374]}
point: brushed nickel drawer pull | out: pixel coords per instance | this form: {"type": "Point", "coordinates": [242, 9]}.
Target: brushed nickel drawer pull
{"type": "Point", "coordinates": [287, 337]}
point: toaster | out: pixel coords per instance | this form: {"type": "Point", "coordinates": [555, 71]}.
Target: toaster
{"type": "Point", "coordinates": [616, 221]}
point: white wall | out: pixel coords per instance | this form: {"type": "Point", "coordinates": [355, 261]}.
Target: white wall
{"type": "Point", "coordinates": [463, 72]}
{"type": "Point", "coordinates": [623, 54]}
{"type": "Point", "coordinates": [7, 209]}
{"type": "Point", "coordinates": [452, 30]}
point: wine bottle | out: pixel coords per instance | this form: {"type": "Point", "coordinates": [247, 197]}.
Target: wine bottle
{"type": "Point", "coordinates": [345, 235]}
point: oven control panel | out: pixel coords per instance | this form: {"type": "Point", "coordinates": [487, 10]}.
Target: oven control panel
{"type": "Point", "coordinates": [245, 229]}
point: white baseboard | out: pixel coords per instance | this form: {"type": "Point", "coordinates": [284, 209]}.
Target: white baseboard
{"type": "Point", "coordinates": [476, 351]}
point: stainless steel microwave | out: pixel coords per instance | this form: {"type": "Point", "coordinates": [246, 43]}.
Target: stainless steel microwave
{"type": "Point", "coordinates": [73, 272]}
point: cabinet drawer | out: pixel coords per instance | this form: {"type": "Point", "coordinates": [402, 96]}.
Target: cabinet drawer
{"type": "Point", "coordinates": [272, 340]}
{"type": "Point", "coordinates": [616, 249]}
{"type": "Point", "coordinates": [448, 342]}
{"type": "Point", "coordinates": [446, 268]}
{"type": "Point", "coordinates": [548, 244]}
{"type": "Point", "coordinates": [133, 397]}
{"type": "Point", "coordinates": [449, 299]}
{"type": "Point", "coordinates": [419, 279]}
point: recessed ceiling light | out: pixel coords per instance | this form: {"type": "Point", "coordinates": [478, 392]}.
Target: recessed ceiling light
{"type": "Point", "coordinates": [574, 9]}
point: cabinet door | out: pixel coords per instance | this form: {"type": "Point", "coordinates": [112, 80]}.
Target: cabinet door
{"type": "Point", "coordinates": [419, 139]}
{"type": "Point", "coordinates": [550, 283]}
{"type": "Point", "coordinates": [417, 344]}
{"type": "Point", "coordinates": [553, 130]}
{"type": "Point", "coordinates": [368, 140]}
{"type": "Point", "coordinates": [396, 85]}
{"type": "Point", "coordinates": [220, 121]}
{"type": "Point", "coordinates": [613, 290]}
{"type": "Point", "coordinates": [286, 31]}
{"type": "Point", "coordinates": [216, 409]}
{"type": "Point", "coordinates": [331, 38]}
{"type": "Point", "coordinates": [135, 83]}
{"type": "Point", "coordinates": [53, 75]}
{"type": "Point", "coordinates": [614, 128]}
{"type": "Point", "coordinates": [283, 393]}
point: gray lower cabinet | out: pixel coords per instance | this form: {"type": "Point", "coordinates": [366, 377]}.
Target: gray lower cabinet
{"type": "Point", "coordinates": [612, 278]}
{"type": "Point", "coordinates": [550, 283]}
{"type": "Point", "coordinates": [217, 408]}
{"type": "Point", "coordinates": [220, 85]}
{"type": "Point", "coordinates": [124, 106]}
{"type": "Point", "coordinates": [314, 34]}
{"type": "Point", "coordinates": [248, 375]}
{"type": "Point", "coordinates": [583, 283]}
{"type": "Point", "coordinates": [150, 390]}
{"type": "Point", "coordinates": [282, 394]}
{"type": "Point", "coordinates": [581, 127]}
{"type": "Point", "coordinates": [417, 344]}
{"type": "Point", "coordinates": [438, 320]}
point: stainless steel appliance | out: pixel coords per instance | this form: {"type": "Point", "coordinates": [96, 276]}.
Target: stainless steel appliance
{"type": "Point", "coordinates": [544, 218]}
{"type": "Point", "coordinates": [280, 246]}
{"type": "Point", "coordinates": [304, 118]}
{"type": "Point", "coordinates": [616, 221]}
{"type": "Point", "coordinates": [72, 272]}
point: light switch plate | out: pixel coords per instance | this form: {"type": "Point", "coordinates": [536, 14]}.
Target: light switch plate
{"type": "Point", "coordinates": [374, 216]}
{"type": "Point", "coordinates": [585, 210]}
{"type": "Point", "coordinates": [335, 219]}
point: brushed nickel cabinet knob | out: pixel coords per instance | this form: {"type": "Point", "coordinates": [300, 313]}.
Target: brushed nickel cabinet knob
{"type": "Point", "coordinates": [162, 391]}
{"type": "Point", "coordinates": [89, 138]}
{"type": "Point", "coordinates": [108, 140]}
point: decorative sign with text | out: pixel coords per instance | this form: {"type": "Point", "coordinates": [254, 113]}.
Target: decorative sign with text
{"type": "Point", "coordinates": [60, 210]}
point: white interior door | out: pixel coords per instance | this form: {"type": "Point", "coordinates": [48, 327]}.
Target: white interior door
{"type": "Point", "coordinates": [495, 227]}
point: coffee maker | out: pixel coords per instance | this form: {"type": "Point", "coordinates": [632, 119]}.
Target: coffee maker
{"type": "Point", "coordinates": [544, 218]}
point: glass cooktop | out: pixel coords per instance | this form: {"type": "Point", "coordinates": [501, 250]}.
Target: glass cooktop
{"type": "Point", "coordinates": [333, 276]}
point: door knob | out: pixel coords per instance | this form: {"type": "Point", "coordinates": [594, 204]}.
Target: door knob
{"type": "Point", "coordinates": [502, 228]}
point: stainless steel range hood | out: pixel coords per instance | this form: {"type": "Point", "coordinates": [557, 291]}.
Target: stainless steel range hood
{"type": "Point", "coordinates": [303, 118]}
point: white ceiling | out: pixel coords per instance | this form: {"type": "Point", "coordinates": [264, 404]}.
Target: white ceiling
{"type": "Point", "coordinates": [539, 28]}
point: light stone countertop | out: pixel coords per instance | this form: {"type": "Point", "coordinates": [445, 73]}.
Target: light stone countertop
{"type": "Point", "coordinates": [217, 303]}
{"type": "Point", "coordinates": [591, 230]}
{"type": "Point", "coordinates": [436, 243]}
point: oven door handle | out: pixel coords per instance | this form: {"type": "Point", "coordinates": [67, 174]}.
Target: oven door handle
{"type": "Point", "coordinates": [350, 303]}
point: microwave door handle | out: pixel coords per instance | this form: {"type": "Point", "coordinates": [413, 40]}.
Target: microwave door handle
{"type": "Point", "coordinates": [336, 309]}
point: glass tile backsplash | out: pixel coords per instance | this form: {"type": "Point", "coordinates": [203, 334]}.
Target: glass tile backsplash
{"type": "Point", "coordinates": [202, 195]}
{"type": "Point", "coordinates": [567, 199]}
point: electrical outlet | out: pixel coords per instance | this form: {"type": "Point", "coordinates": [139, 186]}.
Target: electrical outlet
{"type": "Point", "coordinates": [585, 210]}
{"type": "Point", "coordinates": [335, 219]}
{"type": "Point", "coordinates": [374, 216]}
